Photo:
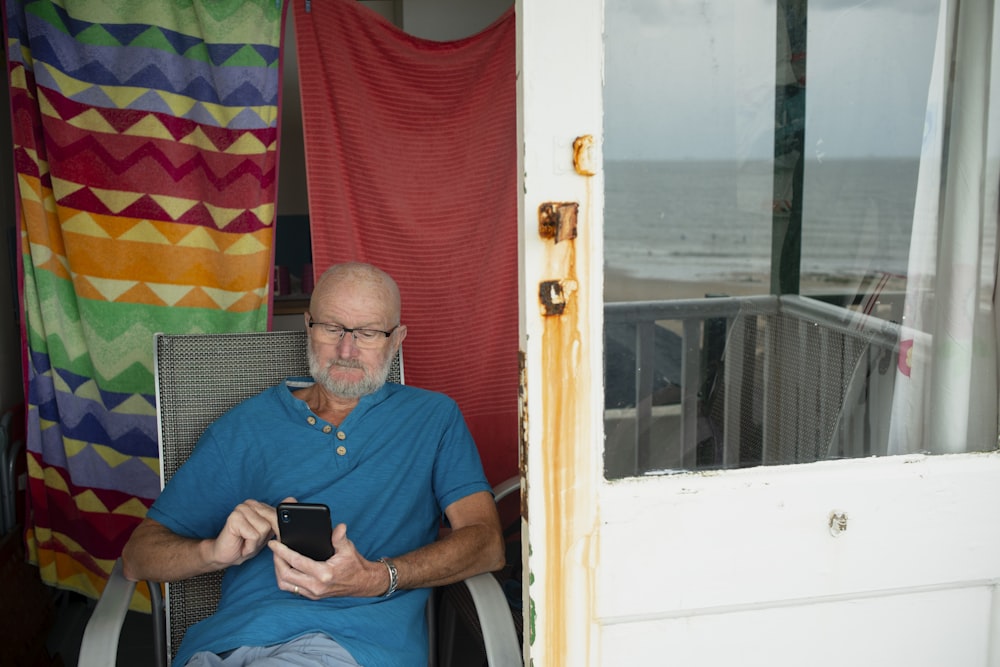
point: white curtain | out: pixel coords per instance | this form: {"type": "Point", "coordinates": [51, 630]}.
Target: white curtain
{"type": "Point", "coordinates": [945, 398]}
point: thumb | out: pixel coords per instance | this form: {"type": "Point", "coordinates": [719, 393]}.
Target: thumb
{"type": "Point", "coordinates": [339, 537]}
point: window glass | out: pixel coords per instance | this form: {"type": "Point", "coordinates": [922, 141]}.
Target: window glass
{"type": "Point", "coordinates": [868, 73]}
{"type": "Point", "coordinates": [756, 201]}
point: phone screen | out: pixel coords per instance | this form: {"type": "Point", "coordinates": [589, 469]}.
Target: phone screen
{"type": "Point", "coordinates": [306, 528]}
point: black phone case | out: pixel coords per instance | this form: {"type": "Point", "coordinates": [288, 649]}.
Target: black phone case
{"type": "Point", "coordinates": [306, 528]}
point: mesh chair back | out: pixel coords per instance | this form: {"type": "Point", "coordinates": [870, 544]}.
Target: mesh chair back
{"type": "Point", "coordinates": [198, 378]}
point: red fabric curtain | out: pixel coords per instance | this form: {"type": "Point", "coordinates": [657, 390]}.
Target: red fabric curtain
{"type": "Point", "coordinates": [411, 161]}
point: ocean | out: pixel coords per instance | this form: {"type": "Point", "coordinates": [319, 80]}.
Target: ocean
{"type": "Point", "coordinates": [705, 221]}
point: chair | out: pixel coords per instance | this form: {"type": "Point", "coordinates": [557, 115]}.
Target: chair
{"type": "Point", "coordinates": [10, 447]}
{"type": "Point", "coordinates": [198, 378]}
{"type": "Point", "coordinates": [460, 633]}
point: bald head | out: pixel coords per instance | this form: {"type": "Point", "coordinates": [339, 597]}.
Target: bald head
{"type": "Point", "coordinates": [359, 279]}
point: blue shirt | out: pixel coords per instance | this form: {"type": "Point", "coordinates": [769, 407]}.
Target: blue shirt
{"type": "Point", "coordinates": [388, 471]}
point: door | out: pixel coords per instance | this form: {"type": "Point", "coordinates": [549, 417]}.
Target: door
{"type": "Point", "coordinates": [746, 498]}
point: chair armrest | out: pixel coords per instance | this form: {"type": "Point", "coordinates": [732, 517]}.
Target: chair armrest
{"type": "Point", "coordinates": [499, 635]}
{"type": "Point", "coordinates": [506, 487]}
{"type": "Point", "coordinates": [99, 647]}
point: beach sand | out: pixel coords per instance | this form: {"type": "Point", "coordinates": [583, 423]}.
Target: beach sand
{"type": "Point", "coordinates": [620, 286]}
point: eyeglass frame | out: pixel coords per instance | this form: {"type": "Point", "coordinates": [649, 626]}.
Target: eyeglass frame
{"type": "Point", "coordinates": [346, 330]}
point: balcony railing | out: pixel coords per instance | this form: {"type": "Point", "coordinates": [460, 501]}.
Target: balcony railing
{"type": "Point", "coordinates": [739, 381]}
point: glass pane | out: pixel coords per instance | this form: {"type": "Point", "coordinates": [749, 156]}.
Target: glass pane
{"type": "Point", "coordinates": [737, 171]}
{"type": "Point", "coordinates": [869, 70]}
{"type": "Point", "coordinates": [689, 117]}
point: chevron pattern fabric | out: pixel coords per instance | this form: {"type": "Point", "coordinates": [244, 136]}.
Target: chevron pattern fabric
{"type": "Point", "coordinates": [145, 145]}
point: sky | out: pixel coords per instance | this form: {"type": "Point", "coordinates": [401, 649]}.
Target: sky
{"type": "Point", "coordinates": [695, 78]}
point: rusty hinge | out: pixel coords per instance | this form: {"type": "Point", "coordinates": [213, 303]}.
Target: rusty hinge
{"type": "Point", "coordinates": [557, 220]}
{"type": "Point", "coordinates": [583, 155]}
{"type": "Point", "coordinates": [553, 297]}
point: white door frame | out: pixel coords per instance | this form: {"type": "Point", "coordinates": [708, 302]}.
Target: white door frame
{"type": "Point", "coordinates": [561, 285]}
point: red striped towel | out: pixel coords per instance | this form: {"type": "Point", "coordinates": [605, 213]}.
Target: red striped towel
{"type": "Point", "coordinates": [411, 161]}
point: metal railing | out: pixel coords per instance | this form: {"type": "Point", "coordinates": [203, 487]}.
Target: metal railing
{"type": "Point", "coordinates": [758, 380]}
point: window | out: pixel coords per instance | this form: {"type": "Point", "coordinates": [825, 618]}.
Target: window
{"type": "Point", "coordinates": [762, 260]}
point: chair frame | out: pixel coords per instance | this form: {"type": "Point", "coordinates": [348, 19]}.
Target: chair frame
{"type": "Point", "coordinates": [9, 453]}
{"type": "Point", "coordinates": [180, 422]}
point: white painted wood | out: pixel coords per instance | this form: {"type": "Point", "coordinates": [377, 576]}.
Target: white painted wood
{"type": "Point", "coordinates": [560, 58]}
{"type": "Point", "coordinates": [930, 629]}
{"type": "Point", "coordinates": [749, 555]}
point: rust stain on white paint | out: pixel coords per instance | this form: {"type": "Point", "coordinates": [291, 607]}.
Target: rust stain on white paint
{"type": "Point", "coordinates": [560, 405]}
{"type": "Point", "coordinates": [565, 410]}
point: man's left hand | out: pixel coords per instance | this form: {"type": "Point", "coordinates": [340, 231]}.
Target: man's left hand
{"type": "Point", "coordinates": [345, 574]}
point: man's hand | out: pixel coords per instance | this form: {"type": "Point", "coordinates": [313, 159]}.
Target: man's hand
{"type": "Point", "coordinates": [156, 553]}
{"type": "Point", "coordinates": [345, 574]}
{"type": "Point", "coordinates": [474, 545]}
{"type": "Point", "coordinates": [248, 528]}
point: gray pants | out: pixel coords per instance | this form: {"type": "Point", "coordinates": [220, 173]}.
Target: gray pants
{"type": "Point", "coordinates": [315, 650]}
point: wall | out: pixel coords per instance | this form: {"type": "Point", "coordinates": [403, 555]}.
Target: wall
{"type": "Point", "coordinates": [443, 20]}
{"type": "Point", "coordinates": [11, 377]}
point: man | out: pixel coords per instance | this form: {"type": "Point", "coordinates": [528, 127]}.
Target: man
{"type": "Point", "coordinates": [385, 458]}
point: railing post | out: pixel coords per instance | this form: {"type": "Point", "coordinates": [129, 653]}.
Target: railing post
{"type": "Point", "coordinates": [690, 386]}
{"type": "Point", "coordinates": [645, 348]}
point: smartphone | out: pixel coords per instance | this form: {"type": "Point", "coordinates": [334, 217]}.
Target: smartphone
{"type": "Point", "coordinates": [306, 528]}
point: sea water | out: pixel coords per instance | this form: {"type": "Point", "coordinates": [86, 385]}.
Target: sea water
{"type": "Point", "coordinates": [704, 221]}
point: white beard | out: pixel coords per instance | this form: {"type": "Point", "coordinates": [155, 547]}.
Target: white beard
{"type": "Point", "coordinates": [369, 384]}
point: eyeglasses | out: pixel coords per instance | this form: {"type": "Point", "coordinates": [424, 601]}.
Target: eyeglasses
{"type": "Point", "coordinates": [334, 333]}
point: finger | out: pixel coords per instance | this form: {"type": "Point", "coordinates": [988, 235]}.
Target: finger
{"type": "Point", "coordinates": [272, 516]}
{"type": "Point", "coordinates": [282, 568]}
{"type": "Point", "coordinates": [255, 516]}
{"type": "Point", "coordinates": [262, 514]}
{"type": "Point", "coordinates": [339, 538]}
{"type": "Point", "coordinates": [242, 536]}
{"type": "Point", "coordinates": [290, 558]}
{"type": "Point", "coordinates": [252, 529]}
{"type": "Point", "coordinates": [281, 553]}
{"type": "Point", "coordinates": [287, 576]}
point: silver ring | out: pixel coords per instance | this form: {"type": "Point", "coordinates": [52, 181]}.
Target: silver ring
{"type": "Point", "coordinates": [296, 590]}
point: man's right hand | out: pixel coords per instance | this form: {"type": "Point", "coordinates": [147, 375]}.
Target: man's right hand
{"type": "Point", "coordinates": [249, 527]}
{"type": "Point", "coordinates": [155, 553]}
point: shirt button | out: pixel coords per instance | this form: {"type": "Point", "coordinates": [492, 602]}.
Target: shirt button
{"type": "Point", "coordinates": [327, 428]}
{"type": "Point", "coordinates": [311, 420]}
{"type": "Point", "coordinates": [341, 435]}
{"type": "Point", "coordinates": [341, 450]}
